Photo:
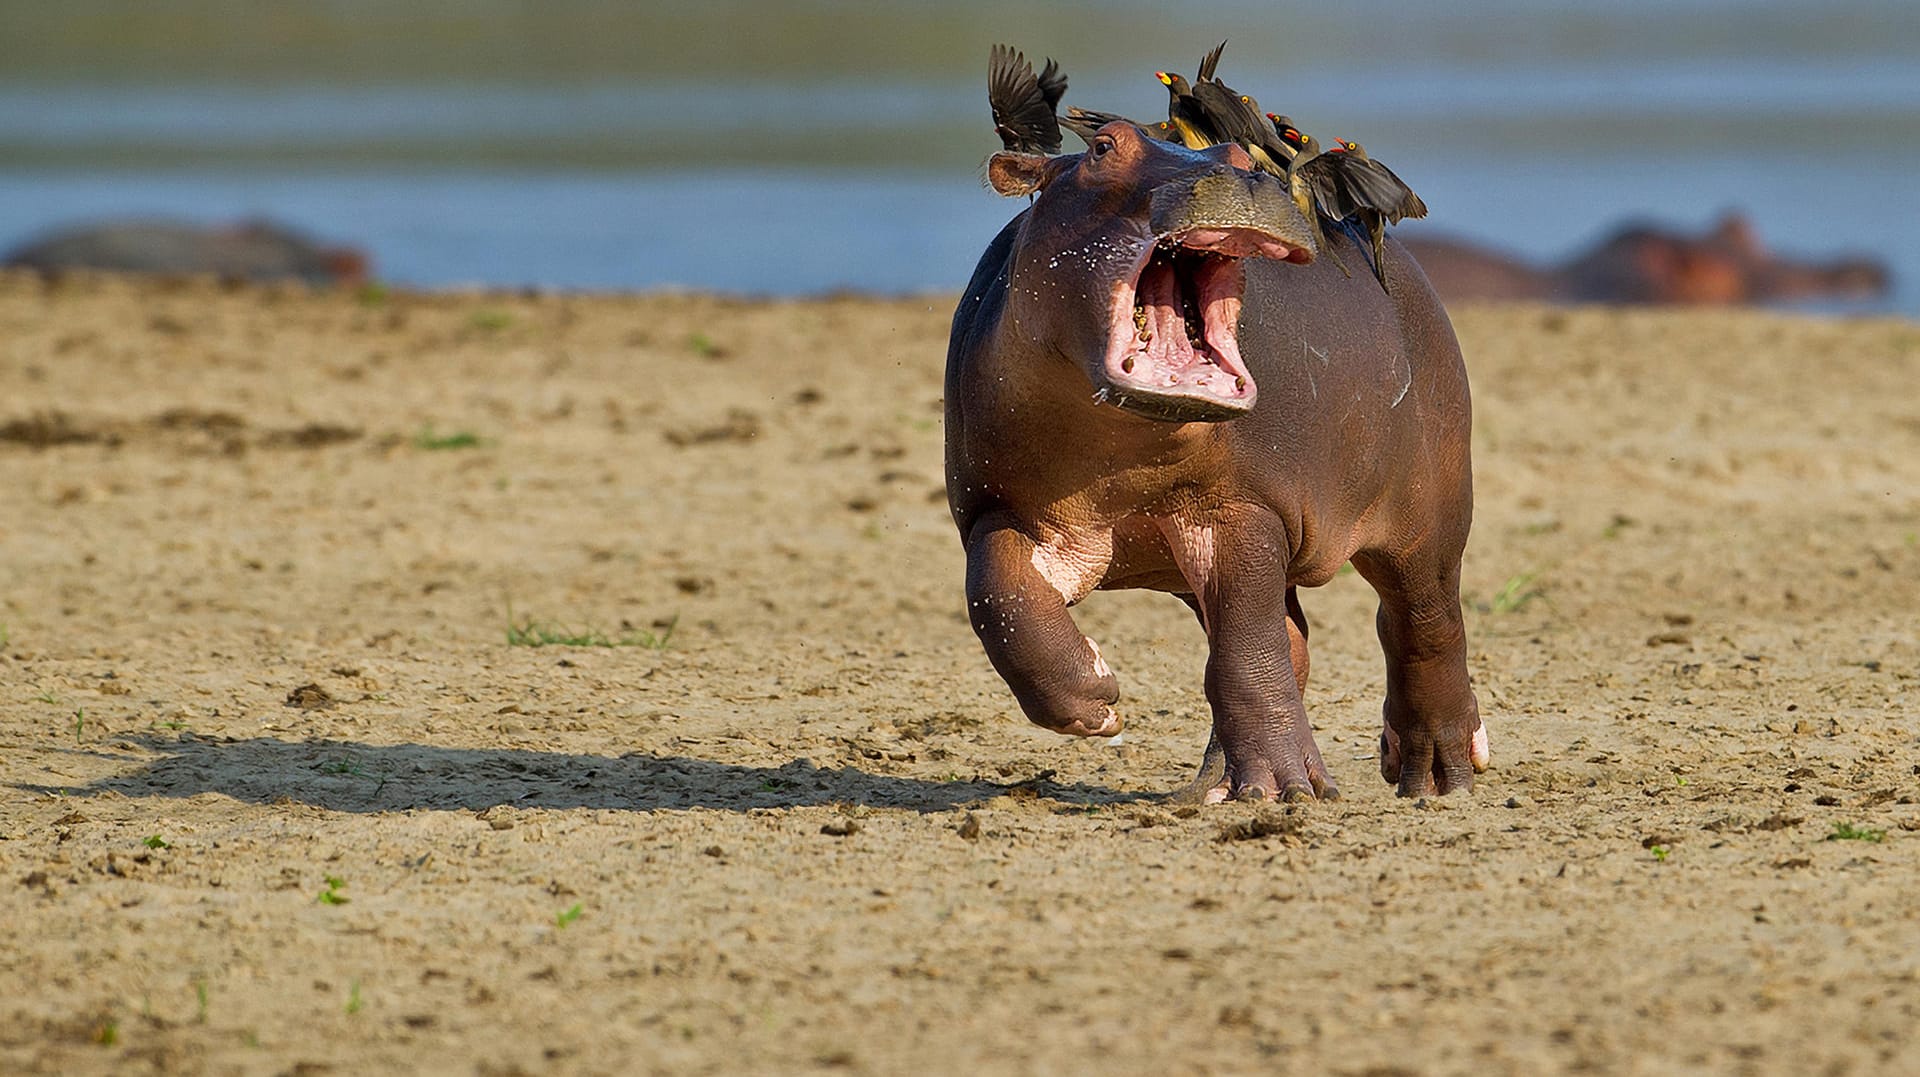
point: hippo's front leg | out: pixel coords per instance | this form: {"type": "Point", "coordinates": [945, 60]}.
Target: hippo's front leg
{"type": "Point", "coordinates": [1259, 718]}
{"type": "Point", "coordinates": [1056, 673]}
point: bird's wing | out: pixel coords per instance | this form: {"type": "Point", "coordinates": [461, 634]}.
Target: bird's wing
{"type": "Point", "coordinates": [1375, 186]}
{"type": "Point", "coordinates": [1053, 84]}
{"type": "Point", "coordinates": [1210, 63]}
{"type": "Point", "coordinates": [1084, 122]}
{"type": "Point", "coordinates": [1325, 178]}
{"type": "Point", "coordinates": [1022, 116]}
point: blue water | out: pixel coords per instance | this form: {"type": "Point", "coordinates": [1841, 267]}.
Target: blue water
{"type": "Point", "coordinates": [796, 157]}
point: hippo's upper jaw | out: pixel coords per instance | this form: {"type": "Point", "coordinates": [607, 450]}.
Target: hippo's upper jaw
{"type": "Point", "coordinates": [1159, 232]}
{"type": "Point", "coordinates": [1173, 348]}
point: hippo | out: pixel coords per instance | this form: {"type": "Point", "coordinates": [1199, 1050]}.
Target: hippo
{"type": "Point", "coordinates": [1644, 263]}
{"type": "Point", "coordinates": [249, 250]}
{"type": "Point", "coordinates": [1153, 382]}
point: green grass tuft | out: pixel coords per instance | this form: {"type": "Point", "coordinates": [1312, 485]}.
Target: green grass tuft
{"type": "Point", "coordinates": [568, 916]}
{"type": "Point", "coordinates": [1660, 852]}
{"type": "Point", "coordinates": [155, 841]}
{"type": "Point", "coordinates": [428, 441]}
{"type": "Point", "coordinates": [1849, 832]}
{"type": "Point", "coordinates": [332, 895]}
{"type": "Point", "coordinates": [1515, 594]}
{"type": "Point", "coordinates": [490, 319]}
{"type": "Point", "coordinates": [354, 1003]}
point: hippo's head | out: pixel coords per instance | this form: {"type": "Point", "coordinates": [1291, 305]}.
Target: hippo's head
{"type": "Point", "coordinates": [1128, 264]}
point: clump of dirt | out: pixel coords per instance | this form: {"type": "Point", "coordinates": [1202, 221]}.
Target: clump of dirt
{"type": "Point", "coordinates": [739, 425]}
{"type": "Point", "coordinates": [310, 697]}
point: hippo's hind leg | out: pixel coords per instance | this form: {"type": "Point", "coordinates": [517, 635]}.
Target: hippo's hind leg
{"type": "Point", "coordinates": [1432, 739]}
{"type": "Point", "coordinates": [1210, 785]}
{"type": "Point", "coordinates": [1056, 673]}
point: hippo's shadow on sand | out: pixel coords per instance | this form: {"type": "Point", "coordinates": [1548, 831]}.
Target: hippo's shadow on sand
{"type": "Point", "coordinates": [353, 777]}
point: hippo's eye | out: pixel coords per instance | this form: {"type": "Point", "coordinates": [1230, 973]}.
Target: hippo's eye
{"type": "Point", "coordinates": [1102, 146]}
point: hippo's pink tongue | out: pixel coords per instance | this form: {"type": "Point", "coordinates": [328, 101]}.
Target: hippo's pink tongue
{"type": "Point", "coordinates": [1177, 352]}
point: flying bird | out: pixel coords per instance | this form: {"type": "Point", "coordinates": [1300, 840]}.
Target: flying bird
{"type": "Point", "coordinates": [1023, 103]}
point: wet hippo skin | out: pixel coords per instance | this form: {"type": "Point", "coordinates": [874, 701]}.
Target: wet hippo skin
{"type": "Point", "coordinates": [1152, 382]}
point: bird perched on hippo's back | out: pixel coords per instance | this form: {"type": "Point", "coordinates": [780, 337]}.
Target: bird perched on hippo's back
{"type": "Point", "coordinates": [1379, 197]}
{"type": "Point", "coordinates": [1343, 183]}
{"type": "Point", "coordinates": [1184, 113]}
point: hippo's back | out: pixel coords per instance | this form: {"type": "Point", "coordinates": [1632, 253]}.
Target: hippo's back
{"type": "Point", "coordinates": [254, 251]}
{"type": "Point", "coordinates": [1364, 381]}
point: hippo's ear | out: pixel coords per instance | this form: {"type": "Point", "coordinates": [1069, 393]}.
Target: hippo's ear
{"type": "Point", "coordinates": [1015, 174]}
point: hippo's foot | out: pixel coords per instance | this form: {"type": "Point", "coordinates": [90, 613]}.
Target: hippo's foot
{"type": "Point", "coordinates": [1083, 716]}
{"type": "Point", "coordinates": [1433, 764]}
{"type": "Point", "coordinates": [1292, 774]}
{"type": "Point", "coordinates": [1108, 723]}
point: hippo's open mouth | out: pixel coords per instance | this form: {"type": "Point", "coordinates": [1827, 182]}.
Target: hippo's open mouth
{"type": "Point", "coordinates": [1173, 349]}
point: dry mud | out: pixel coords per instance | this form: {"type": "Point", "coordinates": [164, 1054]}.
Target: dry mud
{"type": "Point", "coordinates": [277, 795]}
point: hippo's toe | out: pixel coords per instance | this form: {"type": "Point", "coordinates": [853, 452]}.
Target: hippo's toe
{"type": "Point", "coordinates": [1454, 760]}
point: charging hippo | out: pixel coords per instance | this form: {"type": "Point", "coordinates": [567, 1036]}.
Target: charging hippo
{"type": "Point", "coordinates": [1644, 263]}
{"type": "Point", "coordinates": [1152, 382]}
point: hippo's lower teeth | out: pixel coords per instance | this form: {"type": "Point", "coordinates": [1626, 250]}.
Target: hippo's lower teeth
{"type": "Point", "coordinates": [1127, 364]}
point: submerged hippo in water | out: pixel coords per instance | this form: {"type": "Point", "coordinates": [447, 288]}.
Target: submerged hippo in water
{"type": "Point", "coordinates": [250, 250]}
{"type": "Point", "coordinates": [1726, 265]}
{"type": "Point", "coordinates": [1152, 382]}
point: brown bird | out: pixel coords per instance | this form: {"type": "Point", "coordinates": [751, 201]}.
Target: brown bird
{"type": "Point", "coordinates": [1314, 182]}
{"type": "Point", "coordinates": [1185, 115]}
{"type": "Point", "coordinates": [1231, 116]}
{"type": "Point", "coordinates": [1378, 197]}
{"type": "Point", "coordinates": [1084, 122]}
{"type": "Point", "coordinates": [1023, 102]}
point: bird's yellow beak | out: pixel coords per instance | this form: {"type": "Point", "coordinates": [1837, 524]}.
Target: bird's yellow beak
{"type": "Point", "coordinates": [1165, 79]}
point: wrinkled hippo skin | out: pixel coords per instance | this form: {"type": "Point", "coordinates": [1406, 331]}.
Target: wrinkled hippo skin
{"type": "Point", "coordinates": [250, 250]}
{"type": "Point", "coordinates": [1098, 437]}
{"type": "Point", "coordinates": [1724, 266]}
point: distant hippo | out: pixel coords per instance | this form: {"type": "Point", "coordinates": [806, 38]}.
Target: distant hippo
{"type": "Point", "coordinates": [250, 250]}
{"type": "Point", "coordinates": [1646, 264]}
{"type": "Point", "coordinates": [1151, 382]}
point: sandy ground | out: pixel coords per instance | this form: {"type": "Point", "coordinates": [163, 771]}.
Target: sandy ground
{"type": "Point", "coordinates": [813, 830]}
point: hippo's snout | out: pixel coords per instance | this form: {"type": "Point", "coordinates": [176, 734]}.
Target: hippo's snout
{"type": "Point", "coordinates": [1247, 206]}
{"type": "Point", "coordinates": [1173, 349]}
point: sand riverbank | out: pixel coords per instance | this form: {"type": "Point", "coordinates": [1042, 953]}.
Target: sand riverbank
{"type": "Point", "coordinates": [1693, 581]}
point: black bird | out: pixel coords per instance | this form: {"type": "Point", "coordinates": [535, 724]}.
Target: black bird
{"type": "Point", "coordinates": [1378, 197]}
{"type": "Point", "coordinates": [1227, 113]}
{"type": "Point", "coordinates": [1085, 121]}
{"type": "Point", "coordinates": [1314, 181]}
{"type": "Point", "coordinates": [1214, 113]}
{"type": "Point", "coordinates": [1185, 115]}
{"type": "Point", "coordinates": [1023, 103]}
